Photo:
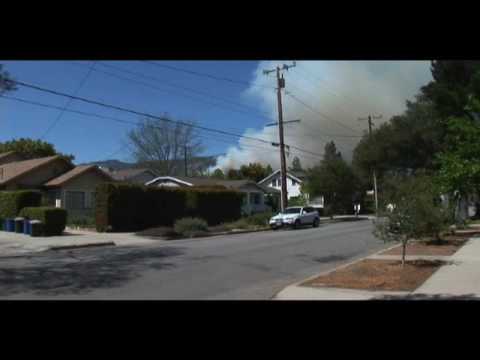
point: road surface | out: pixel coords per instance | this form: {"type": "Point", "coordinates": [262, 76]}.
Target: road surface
{"type": "Point", "coordinates": [243, 266]}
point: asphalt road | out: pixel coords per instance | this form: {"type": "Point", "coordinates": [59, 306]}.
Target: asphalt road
{"type": "Point", "coordinates": [244, 266]}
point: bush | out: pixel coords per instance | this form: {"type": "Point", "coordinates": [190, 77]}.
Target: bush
{"type": "Point", "coordinates": [128, 207]}
{"type": "Point", "coordinates": [190, 227]}
{"type": "Point", "coordinates": [260, 219]}
{"type": "Point", "coordinates": [12, 202]}
{"type": "Point", "coordinates": [53, 219]}
{"type": "Point", "coordinates": [81, 221]}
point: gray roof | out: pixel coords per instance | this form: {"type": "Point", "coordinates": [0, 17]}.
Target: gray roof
{"type": "Point", "coordinates": [203, 181]}
{"type": "Point", "coordinates": [126, 174]}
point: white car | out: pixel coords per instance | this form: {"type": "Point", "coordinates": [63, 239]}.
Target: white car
{"type": "Point", "coordinates": [295, 217]}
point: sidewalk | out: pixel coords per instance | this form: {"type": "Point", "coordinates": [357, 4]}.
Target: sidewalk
{"type": "Point", "coordinates": [12, 244]}
{"type": "Point", "coordinates": [458, 280]}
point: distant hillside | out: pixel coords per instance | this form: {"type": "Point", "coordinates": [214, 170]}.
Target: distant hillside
{"type": "Point", "coordinates": [196, 165]}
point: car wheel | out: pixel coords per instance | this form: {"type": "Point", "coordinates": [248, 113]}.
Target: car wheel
{"type": "Point", "coordinates": [296, 225]}
{"type": "Point", "coordinates": [316, 222]}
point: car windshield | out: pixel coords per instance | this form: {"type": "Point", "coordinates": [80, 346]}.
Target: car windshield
{"type": "Point", "coordinates": [292, 211]}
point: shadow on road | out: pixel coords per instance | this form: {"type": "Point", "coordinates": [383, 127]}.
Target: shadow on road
{"type": "Point", "coordinates": [77, 272]}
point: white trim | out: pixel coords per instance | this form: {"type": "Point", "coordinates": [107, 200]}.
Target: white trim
{"type": "Point", "coordinates": [171, 178]}
{"type": "Point", "coordinates": [275, 173]}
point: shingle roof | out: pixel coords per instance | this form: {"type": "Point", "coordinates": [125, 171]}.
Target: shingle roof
{"type": "Point", "coordinates": [77, 171]}
{"type": "Point", "coordinates": [126, 174]}
{"type": "Point", "coordinates": [198, 181]}
{"type": "Point", "coordinates": [14, 170]}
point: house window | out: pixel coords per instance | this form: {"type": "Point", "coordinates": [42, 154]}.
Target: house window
{"type": "Point", "coordinates": [75, 200]}
{"type": "Point", "coordinates": [294, 182]}
{"type": "Point", "coordinates": [255, 198]}
{"type": "Point", "coordinates": [90, 200]}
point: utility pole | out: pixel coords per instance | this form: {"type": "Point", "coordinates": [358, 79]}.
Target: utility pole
{"type": "Point", "coordinates": [370, 125]}
{"type": "Point", "coordinates": [283, 171]}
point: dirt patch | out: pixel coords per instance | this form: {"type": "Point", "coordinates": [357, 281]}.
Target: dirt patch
{"type": "Point", "coordinates": [448, 247]}
{"type": "Point", "coordinates": [386, 275]}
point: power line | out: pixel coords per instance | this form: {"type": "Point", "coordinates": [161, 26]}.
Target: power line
{"type": "Point", "coordinates": [195, 91]}
{"type": "Point", "coordinates": [169, 92]}
{"type": "Point", "coordinates": [67, 104]}
{"type": "Point", "coordinates": [124, 110]}
{"type": "Point", "coordinates": [319, 113]}
{"type": "Point", "coordinates": [201, 74]}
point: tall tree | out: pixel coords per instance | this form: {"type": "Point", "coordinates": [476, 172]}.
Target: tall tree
{"type": "Point", "coordinates": [333, 179]}
{"type": "Point", "coordinates": [31, 149]}
{"type": "Point", "coordinates": [254, 171]}
{"type": "Point", "coordinates": [218, 174]}
{"type": "Point", "coordinates": [164, 143]}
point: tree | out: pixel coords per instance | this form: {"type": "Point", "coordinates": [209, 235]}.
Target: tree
{"type": "Point", "coordinates": [163, 142]}
{"type": "Point", "coordinates": [296, 165]}
{"type": "Point", "coordinates": [218, 174]}
{"type": "Point", "coordinates": [333, 179]}
{"type": "Point", "coordinates": [31, 149]}
{"type": "Point", "coordinates": [417, 212]}
{"type": "Point", "coordinates": [254, 171]}
{"type": "Point", "coordinates": [6, 83]}
{"type": "Point", "coordinates": [459, 173]}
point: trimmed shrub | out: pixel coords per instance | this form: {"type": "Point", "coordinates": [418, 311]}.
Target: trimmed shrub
{"type": "Point", "coordinates": [260, 219]}
{"type": "Point", "coordinates": [80, 220]}
{"type": "Point", "coordinates": [129, 207]}
{"type": "Point", "coordinates": [53, 219]}
{"type": "Point", "coordinates": [12, 202]}
{"type": "Point", "coordinates": [190, 227]}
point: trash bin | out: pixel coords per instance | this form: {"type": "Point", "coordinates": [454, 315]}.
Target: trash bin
{"type": "Point", "coordinates": [19, 225]}
{"type": "Point", "coordinates": [36, 228]}
{"type": "Point", "coordinates": [11, 225]}
{"type": "Point", "coordinates": [26, 227]}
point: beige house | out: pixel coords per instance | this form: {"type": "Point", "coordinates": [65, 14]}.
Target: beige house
{"type": "Point", "coordinates": [75, 190]}
{"type": "Point", "coordinates": [66, 186]}
{"type": "Point", "coordinates": [253, 201]}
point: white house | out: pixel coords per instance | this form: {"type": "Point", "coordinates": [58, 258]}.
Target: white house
{"type": "Point", "coordinates": [254, 200]}
{"type": "Point", "coordinates": [294, 183]}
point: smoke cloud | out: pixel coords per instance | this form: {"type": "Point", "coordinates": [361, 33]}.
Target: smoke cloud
{"type": "Point", "coordinates": [339, 92]}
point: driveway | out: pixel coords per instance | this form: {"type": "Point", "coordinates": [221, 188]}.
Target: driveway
{"type": "Point", "coordinates": [244, 266]}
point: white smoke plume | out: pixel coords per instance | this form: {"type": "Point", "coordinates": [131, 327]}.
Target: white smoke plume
{"type": "Point", "coordinates": [342, 91]}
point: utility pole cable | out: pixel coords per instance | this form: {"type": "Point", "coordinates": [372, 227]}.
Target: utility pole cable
{"type": "Point", "coordinates": [370, 125]}
{"type": "Point", "coordinates": [283, 171]}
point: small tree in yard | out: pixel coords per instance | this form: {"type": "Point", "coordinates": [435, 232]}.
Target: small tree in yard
{"type": "Point", "coordinates": [417, 212]}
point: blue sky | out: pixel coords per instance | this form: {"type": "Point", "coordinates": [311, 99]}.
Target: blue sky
{"type": "Point", "coordinates": [89, 138]}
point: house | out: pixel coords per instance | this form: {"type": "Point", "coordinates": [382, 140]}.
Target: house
{"type": "Point", "coordinates": [64, 185]}
{"type": "Point", "coordinates": [32, 174]}
{"type": "Point", "coordinates": [75, 189]}
{"type": "Point", "coordinates": [136, 176]}
{"type": "Point", "coordinates": [294, 183]}
{"type": "Point", "coordinates": [9, 157]}
{"type": "Point", "coordinates": [254, 200]}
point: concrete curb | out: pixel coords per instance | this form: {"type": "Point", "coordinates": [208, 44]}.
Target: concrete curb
{"type": "Point", "coordinates": [69, 247]}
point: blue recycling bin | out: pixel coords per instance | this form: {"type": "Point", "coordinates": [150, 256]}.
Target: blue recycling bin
{"type": "Point", "coordinates": [11, 225]}
{"type": "Point", "coordinates": [26, 227]}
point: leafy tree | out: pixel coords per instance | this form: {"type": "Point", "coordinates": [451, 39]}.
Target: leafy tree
{"type": "Point", "coordinates": [163, 142]}
{"type": "Point", "coordinates": [218, 174]}
{"type": "Point", "coordinates": [333, 179]}
{"type": "Point", "coordinates": [417, 212]}
{"type": "Point", "coordinates": [459, 173]}
{"type": "Point", "coordinates": [5, 81]}
{"type": "Point", "coordinates": [252, 171]}
{"type": "Point", "coordinates": [31, 149]}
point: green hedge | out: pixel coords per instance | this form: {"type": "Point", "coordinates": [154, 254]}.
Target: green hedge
{"type": "Point", "coordinates": [128, 207]}
{"type": "Point", "coordinates": [12, 202]}
{"type": "Point", "coordinates": [53, 219]}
